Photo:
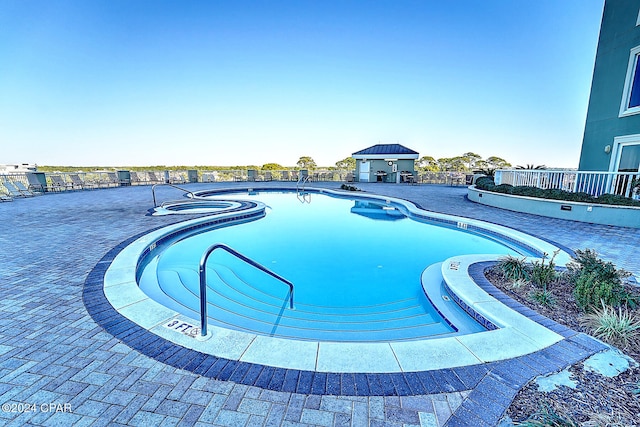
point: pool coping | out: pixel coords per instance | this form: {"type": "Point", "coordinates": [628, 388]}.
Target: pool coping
{"type": "Point", "coordinates": [122, 291]}
{"type": "Point", "coordinates": [492, 385]}
{"type": "Point", "coordinates": [510, 375]}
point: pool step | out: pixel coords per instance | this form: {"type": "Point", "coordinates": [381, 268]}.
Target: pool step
{"type": "Point", "coordinates": [230, 287]}
{"type": "Point", "coordinates": [263, 308]}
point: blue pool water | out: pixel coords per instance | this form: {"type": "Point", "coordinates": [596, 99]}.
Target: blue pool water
{"type": "Point", "coordinates": [355, 263]}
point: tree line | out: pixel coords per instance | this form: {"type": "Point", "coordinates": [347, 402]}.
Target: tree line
{"type": "Point", "coordinates": [467, 162]}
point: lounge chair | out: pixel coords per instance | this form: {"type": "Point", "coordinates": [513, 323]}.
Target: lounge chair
{"type": "Point", "coordinates": [91, 180]}
{"type": "Point", "coordinates": [268, 176]}
{"type": "Point", "coordinates": [177, 178]}
{"type": "Point", "coordinates": [112, 179]}
{"type": "Point", "coordinates": [59, 184]}
{"type": "Point", "coordinates": [7, 194]}
{"type": "Point", "coordinates": [456, 178]}
{"type": "Point", "coordinates": [155, 178]}
{"type": "Point", "coordinates": [76, 182]}
{"type": "Point", "coordinates": [15, 191]}
{"type": "Point", "coordinates": [210, 177]}
{"type": "Point", "coordinates": [23, 189]}
{"type": "Point", "coordinates": [35, 184]}
{"type": "Point", "coordinates": [136, 178]}
{"type": "Point", "coordinates": [4, 197]}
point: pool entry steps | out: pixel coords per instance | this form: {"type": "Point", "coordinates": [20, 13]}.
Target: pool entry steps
{"type": "Point", "coordinates": [203, 280]}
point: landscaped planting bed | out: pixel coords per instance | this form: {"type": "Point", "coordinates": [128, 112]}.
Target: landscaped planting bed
{"type": "Point", "coordinates": [591, 296]}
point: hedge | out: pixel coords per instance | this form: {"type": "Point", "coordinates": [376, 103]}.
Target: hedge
{"type": "Point", "coordinates": [487, 184]}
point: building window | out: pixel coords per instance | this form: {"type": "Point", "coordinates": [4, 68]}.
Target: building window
{"type": "Point", "coordinates": [625, 158]}
{"type": "Point", "coordinates": [631, 94]}
{"type": "Point", "coordinates": [634, 97]}
{"type": "Point", "coordinates": [629, 160]}
{"type": "Point", "coordinates": [625, 154]}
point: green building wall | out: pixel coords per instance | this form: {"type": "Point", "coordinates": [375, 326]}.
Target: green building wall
{"type": "Point", "coordinates": [619, 33]}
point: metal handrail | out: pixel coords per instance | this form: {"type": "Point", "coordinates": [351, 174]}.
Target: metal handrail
{"type": "Point", "coordinates": [153, 191]}
{"type": "Point", "coordinates": [302, 180]}
{"type": "Point", "coordinates": [203, 280]}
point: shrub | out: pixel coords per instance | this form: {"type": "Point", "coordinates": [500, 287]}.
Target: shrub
{"type": "Point", "coordinates": [604, 419]}
{"type": "Point", "coordinates": [542, 275]}
{"type": "Point", "coordinates": [617, 327]}
{"type": "Point", "coordinates": [595, 280]}
{"type": "Point", "coordinates": [485, 183]}
{"type": "Point", "coordinates": [558, 194]}
{"type": "Point", "coordinates": [548, 417]}
{"type": "Point", "coordinates": [583, 197]}
{"type": "Point", "coordinates": [517, 284]}
{"type": "Point", "coordinates": [543, 297]}
{"type": "Point", "coordinates": [529, 191]}
{"type": "Point", "coordinates": [590, 291]}
{"type": "Point", "coordinates": [513, 268]}
{"type": "Point", "coordinates": [613, 199]}
{"type": "Point", "coordinates": [503, 188]}
{"type": "Point", "coordinates": [587, 262]}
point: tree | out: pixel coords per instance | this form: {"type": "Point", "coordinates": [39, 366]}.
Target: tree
{"type": "Point", "coordinates": [470, 159]}
{"type": "Point", "coordinates": [427, 164]}
{"type": "Point", "coordinates": [448, 164]}
{"type": "Point", "coordinates": [306, 162]}
{"type": "Point", "coordinates": [490, 165]}
{"type": "Point", "coordinates": [272, 167]}
{"type": "Point", "coordinates": [497, 162]}
{"type": "Point", "coordinates": [348, 163]}
{"type": "Point", "coordinates": [532, 167]}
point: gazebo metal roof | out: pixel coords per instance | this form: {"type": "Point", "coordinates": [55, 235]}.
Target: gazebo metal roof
{"type": "Point", "coordinates": [380, 151]}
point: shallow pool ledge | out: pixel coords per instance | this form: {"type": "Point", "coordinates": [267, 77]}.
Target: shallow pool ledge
{"type": "Point", "coordinates": [515, 334]}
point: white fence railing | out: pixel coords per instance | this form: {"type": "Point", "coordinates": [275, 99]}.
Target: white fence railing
{"type": "Point", "coordinates": [594, 183]}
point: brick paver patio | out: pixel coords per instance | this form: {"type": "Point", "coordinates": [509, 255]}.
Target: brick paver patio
{"type": "Point", "coordinates": [59, 367]}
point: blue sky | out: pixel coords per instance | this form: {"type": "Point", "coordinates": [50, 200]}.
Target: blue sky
{"type": "Point", "coordinates": [158, 82]}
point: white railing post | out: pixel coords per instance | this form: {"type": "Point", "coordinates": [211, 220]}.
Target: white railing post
{"type": "Point", "coordinates": [497, 178]}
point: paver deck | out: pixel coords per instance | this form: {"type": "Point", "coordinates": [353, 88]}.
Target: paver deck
{"type": "Point", "coordinates": [58, 366]}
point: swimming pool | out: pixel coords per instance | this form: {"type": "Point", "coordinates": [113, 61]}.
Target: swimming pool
{"type": "Point", "coordinates": [356, 263]}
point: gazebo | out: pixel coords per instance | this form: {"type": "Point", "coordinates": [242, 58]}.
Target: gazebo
{"type": "Point", "coordinates": [385, 163]}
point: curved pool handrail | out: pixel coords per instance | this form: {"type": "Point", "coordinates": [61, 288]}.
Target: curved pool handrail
{"type": "Point", "coordinates": [302, 181]}
{"type": "Point", "coordinates": [203, 280]}
{"type": "Point", "coordinates": [153, 191]}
